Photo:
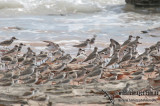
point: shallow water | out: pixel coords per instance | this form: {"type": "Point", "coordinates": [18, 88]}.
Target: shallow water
{"type": "Point", "coordinates": [68, 21]}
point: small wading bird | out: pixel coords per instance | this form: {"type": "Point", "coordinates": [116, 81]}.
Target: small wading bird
{"type": "Point", "coordinates": [8, 42]}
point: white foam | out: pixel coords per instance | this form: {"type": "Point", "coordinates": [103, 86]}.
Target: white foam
{"type": "Point", "coordinates": [56, 6]}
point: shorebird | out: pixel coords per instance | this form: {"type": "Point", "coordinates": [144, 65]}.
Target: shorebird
{"type": "Point", "coordinates": [80, 58]}
{"type": "Point", "coordinates": [147, 50]}
{"type": "Point", "coordinates": [140, 72]}
{"type": "Point", "coordinates": [7, 76]}
{"type": "Point", "coordinates": [80, 74]}
{"type": "Point", "coordinates": [20, 47]}
{"type": "Point", "coordinates": [82, 45]}
{"type": "Point", "coordinates": [126, 88]}
{"type": "Point", "coordinates": [8, 84]}
{"type": "Point", "coordinates": [8, 42]}
{"type": "Point", "coordinates": [41, 100]}
{"type": "Point", "coordinates": [92, 55]}
{"type": "Point", "coordinates": [155, 47]}
{"type": "Point", "coordinates": [115, 44]}
{"type": "Point", "coordinates": [12, 51]}
{"type": "Point", "coordinates": [44, 68]}
{"type": "Point", "coordinates": [29, 61]}
{"type": "Point", "coordinates": [33, 80]}
{"type": "Point", "coordinates": [29, 52]}
{"type": "Point", "coordinates": [64, 59]}
{"type": "Point", "coordinates": [6, 60]}
{"type": "Point", "coordinates": [114, 59]}
{"type": "Point", "coordinates": [137, 77]}
{"type": "Point", "coordinates": [113, 77]}
{"type": "Point", "coordinates": [80, 51]}
{"type": "Point", "coordinates": [65, 81]}
{"type": "Point", "coordinates": [105, 50]}
{"type": "Point", "coordinates": [150, 70]}
{"type": "Point", "coordinates": [60, 67]}
{"type": "Point", "coordinates": [92, 40]}
{"type": "Point", "coordinates": [127, 41]}
{"type": "Point", "coordinates": [13, 64]}
{"type": "Point", "coordinates": [96, 74]}
{"type": "Point", "coordinates": [28, 71]}
{"type": "Point", "coordinates": [146, 59]}
{"type": "Point", "coordinates": [127, 57]}
{"type": "Point", "coordinates": [59, 77]}
{"type": "Point", "coordinates": [21, 59]}
{"type": "Point", "coordinates": [29, 94]}
{"type": "Point", "coordinates": [41, 58]}
{"type": "Point", "coordinates": [52, 47]}
{"type": "Point", "coordinates": [105, 53]}
{"type": "Point", "coordinates": [134, 55]}
{"type": "Point", "coordinates": [57, 54]}
{"type": "Point", "coordinates": [136, 61]}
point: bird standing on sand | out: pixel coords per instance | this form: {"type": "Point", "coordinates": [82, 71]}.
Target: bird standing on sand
{"type": "Point", "coordinates": [137, 77]}
{"type": "Point", "coordinates": [92, 55]}
{"type": "Point", "coordinates": [147, 50]}
{"type": "Point", "coordinates": [57, 54]}
{"type": "Point", "coordinates": [41, 100]}
{"type": "Point", "coordinates": [60, 68]}
{"type": "Point", "coordinates": [80, 58]}
{"type": "Point", "coordinates": [33, 80]}
{"type": "Point", "coordinates": [150, 70]}
{"type": "Point", "coordinates": [80, 51]}
{"type": "Point", "coordinates": [52, 46]}
{"type": "Point", "coordinates": [127, 57]}
{"type": "Point", "coordinates": [115, 44]}
{"type": "Point", "coordinates": [59, 77]}
{"type": "Point", "coordinates": [28, 71]}
{"type": "Point", "coordinates": [96, 74]}
{"type": "Point", "coordinates": [127, 41]}
{"type": "Point", "coordinates": [92, 40]}
{"type": "Point", "coordinates": [82, 45]}
{"type": "Point", "coordinates": [12, 51]}
{"type": "Point", "coordinates": [7, 42]}
{"type": "Point", "coordinates": [114, 59]}
{"type": "Point", "coordinates": [126, 88]}
{"type": "Point", "coordinates": [64, 59]}
{"type": "Point", "coordinates": [138, 72]}
{"type": "Point", "coordinates": [155, 46]}
{"type": "Point", "coordinates": [20, 46]}
{"type": "Point", "coordinates": [29, 93]}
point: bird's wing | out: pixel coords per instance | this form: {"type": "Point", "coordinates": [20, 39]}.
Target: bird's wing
{"type": "Point", "coordinates": [80, 45]}
{"type": "Point", "coordinates": [5, 42]}
{"type": "Point", "coordinates": [126, 57]}
{"type": "Point", "coordinates": [113, 60]}
{"type": "Point", "coordinates": [27, 93]}
{"type": "Point", "coordinates": [126, 42]}
{"type": "Point", "coordinates": [51, 43]}
{"type": "Point", "coordinates": [94, 73]}
{"type": "Point", "coordinates": [91, 56]}
{"type": "Point", "coordinates": [104, 50]}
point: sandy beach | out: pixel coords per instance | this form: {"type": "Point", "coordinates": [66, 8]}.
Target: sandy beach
{"type": "Point", "coordinates": [41, 63]}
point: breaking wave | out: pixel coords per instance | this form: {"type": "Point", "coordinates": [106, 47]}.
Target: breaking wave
{"type": "Point", "coordinates": [55, 6]}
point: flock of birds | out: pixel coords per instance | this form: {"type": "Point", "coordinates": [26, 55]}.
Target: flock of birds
{"type": "Point", "coordinates": [52, 66]}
